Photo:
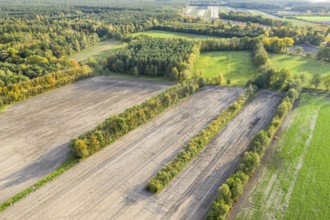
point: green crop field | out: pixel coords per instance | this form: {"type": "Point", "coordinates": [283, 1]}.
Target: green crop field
{"type": "Point", "coordinates": [234, 65]}
{"type": "Point", "coordinates": [314, 18]}
{"type": "Point", "coordinates": [294, 182]}
{"type": "Point", "coordinates": [300, 65]}
{"type": "Point", "coordinates": [96, 50]}
{"type": "Point", "coordinates": [168, 34]}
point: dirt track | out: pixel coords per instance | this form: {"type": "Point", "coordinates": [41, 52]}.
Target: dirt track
{"type": "Point", "coordinates": [109, 185]}
{"type": "Point", "coordinates": [34, 133]}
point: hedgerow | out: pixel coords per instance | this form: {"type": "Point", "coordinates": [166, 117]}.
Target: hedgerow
{"type": "Point", "coordinates": [196, 144]}
{"type": "Point", "coordinates": [22, 90]}
{"type": "Point", "coordinates": [118, 125]}
{"type": "Point", "coordinates": [233, 187]}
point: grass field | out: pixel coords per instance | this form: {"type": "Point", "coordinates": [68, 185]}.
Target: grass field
{"type": "Point", "coordinates": [234, 65]}
{"type": "Point", "coordinates": [294, 182]}
{"type": "Point", "coordinates": [167, 34]}
{"type": "Point", "coordinates": [315, 18]}
{"type": "Point", "coordinates": [96, 50]}
{"type": "Point", "coordinates": [300, 65]}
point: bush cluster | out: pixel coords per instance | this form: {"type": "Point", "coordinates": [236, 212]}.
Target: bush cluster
{"type": "Point", "coordinates": [196, 144]}
{"type": "Point", "coordinates": [26, 89]}
{"type": "Point", "coordinates": [233, 187]}
{"type": "Point", "coordinates": [118, 125]}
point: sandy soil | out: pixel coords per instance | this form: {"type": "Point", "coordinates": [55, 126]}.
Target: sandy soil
{"type": "Point", "coordinates": [110, 184]}
{"type": "Point", "coordinates": [34, 133]}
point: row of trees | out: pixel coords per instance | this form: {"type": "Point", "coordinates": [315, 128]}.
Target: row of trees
{"type": "Point", "coordinates": [239, 16]}
{"type": "Point", "coordinates": [228, 44]}
{"type": "Point", "coordinates": [221, 30]}
{"type": "Point", "coordinates": [155, 57]}
{"type": "Point", "coordinates": [233, 187]}
{"type": "Point", "coordinates": [26, 89]}
{"type": "Point", "coordinates": [196, 144]}
{"type": "Point", "coordinates": [118, 125]}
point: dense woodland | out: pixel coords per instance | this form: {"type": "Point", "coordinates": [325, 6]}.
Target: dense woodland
{"type": "Point", "coordinates": [155, 57]}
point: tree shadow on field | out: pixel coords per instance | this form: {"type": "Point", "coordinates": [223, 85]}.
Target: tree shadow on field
{"type": "Point", "coordinates": [40, 168]}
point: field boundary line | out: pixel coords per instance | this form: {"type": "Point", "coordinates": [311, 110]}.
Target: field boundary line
{"type": "Point", "coordinates": [168, 172]}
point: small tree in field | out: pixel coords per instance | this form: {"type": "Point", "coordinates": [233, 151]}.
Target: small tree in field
{"type": "Point", "coordinates": [299, 50]}
{"type": "Point", "coordinates": [228, 82]}
{"type": "Point", "coordinates": [316, 80]}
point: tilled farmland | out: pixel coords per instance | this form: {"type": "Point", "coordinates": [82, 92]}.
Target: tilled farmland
{"type": "Point", "coordinates": [111, 183]}
{"type": "Point", "coordinates": [34, 133]}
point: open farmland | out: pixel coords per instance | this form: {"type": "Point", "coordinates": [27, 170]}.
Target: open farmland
{"type": "Point", "coordinates": [234, 65]}
{"type": "Point", "coordinates": [168, 34]}
{"type": "Point", "coordinates": [293, 182]}
{"type": "Point", "coordinates": [118, 174]}
{"type": "Point", "coordinates": [300, 65]}
{"type": "Point", "coordinates": [34, 133]}
{"type": "Point", "coordinates": [111, 184]}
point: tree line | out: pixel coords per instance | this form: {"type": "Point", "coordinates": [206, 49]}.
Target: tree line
{"type": "Point", "coordinates": [196, 144]}
{"type": "Point", "coordinates": [233, 187]}
{"type": "Point", "coordinates": [117, 126]}
{"type": "Point", "coordinates": [217, 30]}
{"type": "Point", "coordinates": [26, 89]}
{"type": "Point", "coordinates": [245, 17]}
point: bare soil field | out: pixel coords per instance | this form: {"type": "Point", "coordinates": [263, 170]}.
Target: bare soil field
{"type": "Point", "coordinates": [34, 133]}
{"type": "Point", "coordinates": [110, 184]}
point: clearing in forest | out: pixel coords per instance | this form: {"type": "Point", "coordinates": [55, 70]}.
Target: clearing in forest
{"type": "Point", "coordinates": [293, 182]}
{"type": "Point", "coordinates": [96, 50]}
{"type": "Point", "coordinates": [110, 184]}
{"type": "Point", "coordinates": [234, 65]}
{"type": "Point", "coordinates": [34, 133]}
{"type": "Point", "coordinates": [300, 65]}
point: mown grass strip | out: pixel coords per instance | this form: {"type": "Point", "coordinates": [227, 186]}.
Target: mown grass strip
{"type": "Point", "coordinates": [233, 187]}
{"type": "Point", "coordinates": [196, 144]}
{"type": "Point", "coordinates": [66, 165]}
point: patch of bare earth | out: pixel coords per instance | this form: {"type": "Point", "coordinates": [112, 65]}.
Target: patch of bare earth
{"type": "Point", "coordinates": [34, 133]}
{"type": "Point", "coordinates": [110, 184]}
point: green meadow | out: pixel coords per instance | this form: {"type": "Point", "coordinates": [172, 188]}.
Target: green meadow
{"type": "Point", "coordinates": [294, 181]}
{"type": "Point", "coordinates": [234, 65]}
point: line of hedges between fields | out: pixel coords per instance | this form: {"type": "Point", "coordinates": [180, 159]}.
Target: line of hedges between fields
{"type": "Point", "coordinates": [118, 125]}
{"type": "Point", "coordinates": [233, 187]}
{"type": "Point", "coordinates": [196, 144]}
{"type": "Point", "coordinates": [26, 89]}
